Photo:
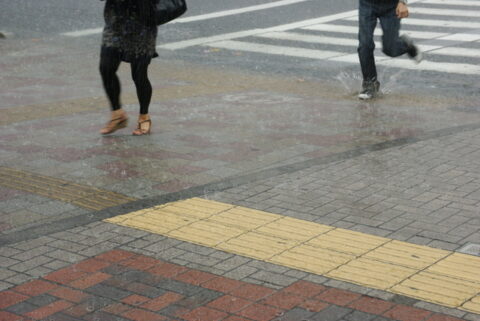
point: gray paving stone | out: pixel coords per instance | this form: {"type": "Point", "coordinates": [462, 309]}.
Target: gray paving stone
{"type": "Point", "coordinates": [363, 221]}
{"type": "Point", "coordinates": [269, 267]}
{"type": "Point", "coordinates": [21, 308]}
{"type": "Point", "coordinates": [472, 317]}
{"type": "Point", "coordinates": [240, 272]}
{"type": "Point", "coordinates": [359, 316]}
{"type": "Point", "coordinates": [33, 244]}
{"type": "Point", "coordinates": [189, 247]}
{"type": "Point", "coordinates": [106, 291]}
{"type": "Point", "coordinates": [222, 256]}
{"type": "Point", "coordinates": [296, 314]}
{"type": "Point", "coordinates": [97, 249]}
{"type": "Point", "coordinates": [122, 239]}
{"type": "Point", "coordinates": [56, 264]}
{"type": "Point", "coordinates": [198, 259]}
{"type": "Point", "coordinates": [30, 264]}
{"type": "Point", "coordinates": [18, 278]}
{"type": "Point", "coordinates": [140, 243]}
{"type": "Point", "coordinates": [232, 263]}
{"type": "Point", "coordinates": [331, 313]}
{"type": "Point", "coordinates": [370, 230]}
{"type": "Point", "coordinates": [67, 245]}
{"type": "Point", "coordinates": [8, 251]}
{"type": "Point", "coordinates": [65, 255]}
{"type": "Point", "coordinates": [396, 224]}
{"type": "Point", "coordinates": [39, 271]}
{"type": "Point", "coordinates": [440, 309]}
{"type": "Point", "coordinates": [429, 227]}
{"type": "Point", "coordinates": [316, 279]}
{"type": "Point", "coordinates": [202, 297]}
{"type": "Point", "coordinates": [209, 269]}
{"type": "Point", "coordinates": [168, 254]}
{"type": "Point", "coordinates": [444, 245]}
{"type": "Point", "coordinates": [6, 262]}
{"type": "Point", "coordinates": [184, 289]}
{"type": "Point", "coordinates": [419, 240]}
{"type": "Point", "coordinates": [296, 274]}
{"type": "Point", "coordinates": [405, 233]}
{"type": "Point", "coordinates": [69, 236]}
{"type": "Point", "coordinates": [30, 253]}
{"type": "Point", "coordinates": [164, 245]}
{"type": "Point", "coordinates": [5, 285]}
{"type": "Point", "coordinates": [384, 295]}
{"type": "Point", "coordinates": [273, 278]}
{"type": "Point", "coordinates": [347, 286]}
{"type": "Point", "coordinates": [440, 237]}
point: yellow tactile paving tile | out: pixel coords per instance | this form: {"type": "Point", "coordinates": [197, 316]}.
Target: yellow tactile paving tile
{"type": "Point", "coordinates": [407, 255]}
{"type": "Point", "coordinates": [312, 259]}
{"type": "Point", "coordinates": [349, 242]}
{"type": "Point", "coordinates": [372, 273]}
{"type": "Point", "coordinates": [58, 189]}
{"type": "Point", "coordinates": [438, 289]}
{"type": "Point", "coordinates": [473, 305]}
{"type": "Point", "coordinates": [257, 245]}
{"type": "Point", "coordinates": [432, 275]}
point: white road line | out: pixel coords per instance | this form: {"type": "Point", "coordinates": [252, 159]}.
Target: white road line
{"type": "Point", "coordinates": [444, 67]}
{"type": "Point", "coordinates": [337, 41]}
{"type": "Point", "coordinates": [234, 35]}
{"type": "Point", "coordinates": [225, 13]}
{"type": "Point", "coordinates": [455, 68]}
{"type": "Point", "coordinates": [81, 33]}
{"type": "Point", "coordinates": [218, 14]}
{"type": "Point", "coordinates": [456, 51]}
{"type": "Point", "coordinates": [310, 38]}
{"type": "Point", "coordinates": [276, 50]}
{"type": "Point", "coordinates": [445, 12]}
{"type": "Point", "coordinates": [447, 67]}
{"type": "Point", "coordinates": [463, 37]}
{"type": "Point", "coordinates": [472, 3]}
{"type": "Point", "coordinates": [378, 31]}
{"type": "Point", "coordinates": [434, 23]}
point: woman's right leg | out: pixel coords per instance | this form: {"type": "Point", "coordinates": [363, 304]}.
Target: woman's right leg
{"type": "Point", "coordinates": [109, 63]}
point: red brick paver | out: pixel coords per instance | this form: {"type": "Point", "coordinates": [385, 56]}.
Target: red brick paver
{"type": "Point", "coordinates": [406, 313]}
{"type": "Point", "coordinates": [204, 314]}
{"type": "Point", "coordinates": [229, 304]}
{"type": "Point", "coordinates": [9, 298]}
{"type": "Point", "coordinates": [162, 301]}
{"type": "Point", "coordinates": [119, 285]}
{"type": "Point", "coordinates": [371, 305]}
{"type": "Point", "coordinates": [337, 296]}
{"type": "Point", "coordinates": [48, 310]}
{"type": "Point", "coordinates": [35, 287]}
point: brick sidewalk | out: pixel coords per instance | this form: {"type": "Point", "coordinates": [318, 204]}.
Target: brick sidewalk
{"type": "Point", "coordinates": [120, 285]}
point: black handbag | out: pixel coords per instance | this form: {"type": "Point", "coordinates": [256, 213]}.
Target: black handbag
{"type": "Point", "coordinates": [168, 10]}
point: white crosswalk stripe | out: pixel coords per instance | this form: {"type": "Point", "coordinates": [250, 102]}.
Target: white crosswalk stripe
{"type": "Point", "coordinates": [336, 39]}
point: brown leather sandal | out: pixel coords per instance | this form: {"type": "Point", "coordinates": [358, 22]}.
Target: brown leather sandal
{"type": "Point", "coordinates": [114, 125]}
{"type": "Point", "coordinates": [142, 130]}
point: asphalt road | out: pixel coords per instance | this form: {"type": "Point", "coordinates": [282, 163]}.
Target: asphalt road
{"type": "Point", "coordinates": [50, 20]}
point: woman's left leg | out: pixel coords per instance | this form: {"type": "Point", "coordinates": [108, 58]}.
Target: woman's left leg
{"type": "Point", "coordinates": [144, 94]}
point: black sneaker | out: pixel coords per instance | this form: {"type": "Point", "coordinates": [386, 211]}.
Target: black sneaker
{"type": "Point", "coordinates": [369, 90]}
{"type": "Point", "coordinates": [413, 51]}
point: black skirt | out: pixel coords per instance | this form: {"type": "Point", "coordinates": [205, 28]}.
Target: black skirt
{"type": "Point", "coordinates": [129, 29]}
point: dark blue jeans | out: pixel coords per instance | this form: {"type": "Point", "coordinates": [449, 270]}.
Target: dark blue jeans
{"type": "Point", "coordinates": [369, 12]}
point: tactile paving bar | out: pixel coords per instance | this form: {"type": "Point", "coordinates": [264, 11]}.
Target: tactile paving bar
{"type": "Point", "coordinates": [432, 275]}
{"type": "Point", "coordinates": [80, 195]}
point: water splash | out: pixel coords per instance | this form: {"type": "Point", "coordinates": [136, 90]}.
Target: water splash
{"type": "Point", "coordinates": [391, 82]}
{"type": "Point", "coordinates": [351, 82]}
